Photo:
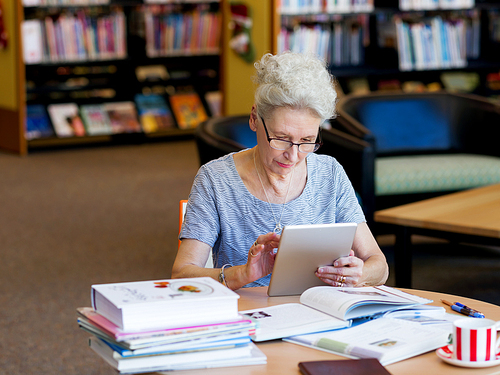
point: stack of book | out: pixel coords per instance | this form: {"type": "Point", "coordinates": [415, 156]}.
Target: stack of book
{"type": "Point", "coordinates": [164, 325]}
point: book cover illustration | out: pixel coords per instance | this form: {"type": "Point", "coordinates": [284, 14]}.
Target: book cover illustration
{"type": "Point", "coordinates": [154, 113]}
{"type": "Point", "coordinates": [66, 120]}
{"type": "Point", "coordinates": [142, 292]}
{"type": "Point", "coordinates": [188, 110]}
{"type": "Point", "coordinates": [95, 119]}
{"type": "Point", "coordinates": [122, 117]}
{"type": "Point", "coordinates": [37, 122]}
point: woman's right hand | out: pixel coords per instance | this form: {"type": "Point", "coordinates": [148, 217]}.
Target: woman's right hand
{"type": "Point", "coordinates": [261, 256]}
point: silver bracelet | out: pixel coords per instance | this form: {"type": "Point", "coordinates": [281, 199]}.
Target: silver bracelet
{"type": "Point", "coordinates": [222, 278]}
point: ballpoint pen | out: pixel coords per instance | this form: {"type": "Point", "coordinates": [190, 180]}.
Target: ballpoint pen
{"type": "Point", "coordinates": [462, 309]}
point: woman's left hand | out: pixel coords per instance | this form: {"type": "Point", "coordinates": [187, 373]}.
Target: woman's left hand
{"type": "Point", "coordinates": [345, 271]}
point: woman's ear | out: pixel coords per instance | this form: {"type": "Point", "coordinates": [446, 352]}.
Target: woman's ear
{"type": "Point", "coordinates": [253, 118]}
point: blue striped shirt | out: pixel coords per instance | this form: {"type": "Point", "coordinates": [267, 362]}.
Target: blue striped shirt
{"type": "Point", "coordinates": [222, 213]}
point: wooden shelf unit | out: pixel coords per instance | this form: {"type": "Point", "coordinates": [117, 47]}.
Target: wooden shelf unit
{"type": "Point", "coordinates": [27, 83]}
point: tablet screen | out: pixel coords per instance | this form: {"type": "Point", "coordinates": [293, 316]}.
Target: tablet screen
{"type": "Point", "coordinates": [304, 248]}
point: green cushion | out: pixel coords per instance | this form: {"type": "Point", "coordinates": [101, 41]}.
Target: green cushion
{"type": "Point", "coordinates": [434, 173]}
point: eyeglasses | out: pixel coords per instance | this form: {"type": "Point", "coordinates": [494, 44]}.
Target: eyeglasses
{"type": "Point", "coordinates": [281, 144]}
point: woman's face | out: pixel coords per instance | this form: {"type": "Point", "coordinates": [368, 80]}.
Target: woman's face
{"type": "Point", "coordinates": [297, 126]}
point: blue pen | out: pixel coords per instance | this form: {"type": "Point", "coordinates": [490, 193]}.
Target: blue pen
{"type": "Point", "coordinates": [462, 309]}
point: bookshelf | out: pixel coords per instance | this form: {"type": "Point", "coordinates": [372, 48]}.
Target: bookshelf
{"type": "Point", "coordinates": [390, 44]}
{"type": "Point", "coordinates": [92, 52]}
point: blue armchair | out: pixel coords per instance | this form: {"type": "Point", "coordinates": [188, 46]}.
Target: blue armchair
{"type": "Point", "coordinates": [419, 145]}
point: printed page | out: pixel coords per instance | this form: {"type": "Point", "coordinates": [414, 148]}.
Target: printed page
{"type": "Point", "coordinates": [290, 319]}
{"type": "Point", "coordinates": [386, 339]}
{"type": "Point", "coordinates": [341, 302]}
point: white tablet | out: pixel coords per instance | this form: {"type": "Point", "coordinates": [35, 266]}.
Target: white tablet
{"type": "Point", "coordinates": [304, 248]}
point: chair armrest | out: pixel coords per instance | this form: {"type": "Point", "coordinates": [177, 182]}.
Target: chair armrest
{"type": "Point", "coordinates": [357, 157]}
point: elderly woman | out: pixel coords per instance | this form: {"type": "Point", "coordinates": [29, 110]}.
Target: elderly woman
{"type": "Point", "coordinates": [239, 203]}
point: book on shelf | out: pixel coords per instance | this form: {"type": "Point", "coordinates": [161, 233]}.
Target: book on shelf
{"type": "Point", "coordinates": [151, 73]}
{"type": "Point", "coordinates": [31, 3]}
{"type": "Point", "coordinates": [98, 325]}
{"type": "Point", "coordinates": [122, 117]}
{"type": "Point", "coordinates": [435, 43]}
{"type": "Point", "coordinates": [387, 339]}
{"type": "Point", "coordinates": [188, 109]}
{"type": "Point", "coordinates": [366, 366]}
{"type": "Point", "coordinates": [66, 120]}
{"type": "Point", "coordinates": [169, 33]}
{"type": "Point", "coordinates": [96, 119]}
{"type": "Point", "coordinates": [37, 122]}
{"type": "Point", "coordinates": [75, 36]}
{"type": "Point", "coordinates": [154, 113]}
{"type": "Point", "coordinates": [147, 305]}
{"type": "Point", "coordinates": [31, 31]}
{"type": "Point", "coordinates": [290, 319]}
{"type": "Point", "coordinates": [235, 356]}
{"type": "Point", "coordinates": [214, 102]}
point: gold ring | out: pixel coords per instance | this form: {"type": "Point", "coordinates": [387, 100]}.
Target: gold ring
{"type": "Point", "coordinates": [252, 254]}
{"type": "Point", "coordinates": [342, 279]}
{"type": "Point", "coordinates": [255, 243]}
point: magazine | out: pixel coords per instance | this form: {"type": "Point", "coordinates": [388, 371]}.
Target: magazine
{"type": "Point", "coordinates": [386, 339]}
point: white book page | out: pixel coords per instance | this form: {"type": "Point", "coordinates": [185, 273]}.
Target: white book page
{"type": "Point", "coordinates": [385, 339]}
{"type": "Point", "coordinates": [290, 319]}
{"type": "Point", "coordinates": [339, 302]}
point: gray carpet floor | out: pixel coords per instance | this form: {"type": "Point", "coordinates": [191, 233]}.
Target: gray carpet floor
{"type": "Point", "coordinates": [73, 218]}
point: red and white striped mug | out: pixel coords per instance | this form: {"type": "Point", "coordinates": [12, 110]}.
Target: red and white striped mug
{"type": "Point", "coordinates": [475, 340]}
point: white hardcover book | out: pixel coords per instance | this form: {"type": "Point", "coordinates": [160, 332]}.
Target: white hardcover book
{"type": "Point", "coordinates": [143, 305]}
{"type": "Point", "coordinates": [32, 41]}
{"type": "Point", "coordinates": [31, 3]}
{"type": "Point", "coordinates": [416, 36]}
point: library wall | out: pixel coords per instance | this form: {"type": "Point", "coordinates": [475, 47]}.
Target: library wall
{"type": "Point", "coordinates": [237, 83]}
{"type": "Point", "coordinates": [8, 58]}
{"type": "Point", "coordinates": [11, 136]}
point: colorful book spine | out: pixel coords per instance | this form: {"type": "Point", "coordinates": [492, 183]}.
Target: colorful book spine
{"type": "Point", "coordinates": [80, 36]}
{"type": "Point", "coordinates": [339, 41]}
{"type": "Point", "coordinates": [436, 43]}
{"type": "Point", "coordinates": [173, 33]}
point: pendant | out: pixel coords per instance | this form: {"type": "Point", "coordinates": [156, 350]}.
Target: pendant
{"type": "Point", "coordinates": [278, 228]}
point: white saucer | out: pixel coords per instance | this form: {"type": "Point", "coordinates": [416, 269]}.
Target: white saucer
{"type": "Point", "coordinates": [446, 354]}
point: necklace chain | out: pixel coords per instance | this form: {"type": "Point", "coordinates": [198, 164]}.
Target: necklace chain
{"type": "Point", "coordinates": [278, 228]}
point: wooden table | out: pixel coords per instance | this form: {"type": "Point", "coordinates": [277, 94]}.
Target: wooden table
{"type": "Point", "coordinates": [469, 216]}
{"type": "Point", "coordinates": [283, 357]}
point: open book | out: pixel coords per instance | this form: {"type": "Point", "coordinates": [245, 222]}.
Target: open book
{"type": "Point", "coordinates": [353, 303]}
{"type": "Point", "coordinates": [325, 308]}
{"type": "Point", "coordinates": [386, 339]}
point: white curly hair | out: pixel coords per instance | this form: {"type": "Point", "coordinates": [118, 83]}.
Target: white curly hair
{"type": "Point", "coordinates": [295, 80]}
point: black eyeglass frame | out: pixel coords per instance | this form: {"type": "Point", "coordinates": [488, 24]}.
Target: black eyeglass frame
{"type": "Point", "coordinates": [316, 147]}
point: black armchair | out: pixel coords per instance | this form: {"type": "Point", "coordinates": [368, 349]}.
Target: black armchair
{"type": "Point", "coordinates": [219, 136]}
{"type": "Point", "coordinates": [419, 145]}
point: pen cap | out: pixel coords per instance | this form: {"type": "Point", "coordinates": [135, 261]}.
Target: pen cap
{"type": "Point", "coordinates": [475, 340]}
